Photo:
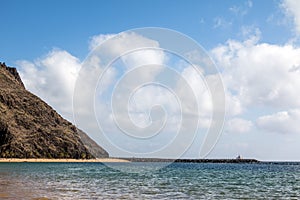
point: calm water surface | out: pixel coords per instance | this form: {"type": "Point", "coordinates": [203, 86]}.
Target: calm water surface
{"type": "Point", "coordinates": [177, 181]}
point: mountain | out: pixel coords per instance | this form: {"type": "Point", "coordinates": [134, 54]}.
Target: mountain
{"type": "Point", "coordinates": [30, 128]}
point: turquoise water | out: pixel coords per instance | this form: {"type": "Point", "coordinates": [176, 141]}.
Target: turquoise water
{"type": "Point", "coordinates": [177, 181]}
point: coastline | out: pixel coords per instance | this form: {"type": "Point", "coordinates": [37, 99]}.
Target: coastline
{"type": "Point", "coordinates": [46, 160]}
{"type": "Point", "coordinates": [123, 160]}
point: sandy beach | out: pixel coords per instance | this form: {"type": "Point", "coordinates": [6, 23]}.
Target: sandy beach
{"type": "Point", "coordinates": [100, 160]}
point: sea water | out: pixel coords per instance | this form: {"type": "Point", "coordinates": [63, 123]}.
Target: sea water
{"type": "Point", "coordinates": [176, 181]}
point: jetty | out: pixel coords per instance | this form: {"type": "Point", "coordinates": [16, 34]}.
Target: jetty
{"type": "Point", "coordinates": [192, 160]}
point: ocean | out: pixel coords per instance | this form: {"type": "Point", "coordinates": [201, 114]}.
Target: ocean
{"type": "Point", "coordinates": [149, 181]}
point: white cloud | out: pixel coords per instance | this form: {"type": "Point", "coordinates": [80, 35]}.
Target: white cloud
{"type": "Point", "coordinates": [233, 105]}
{"type": "Point", "coordinates": [251, 33]}
{"type": "Point", "coordinates": [144, 57]}
{"type": "Point", "coordinates": [292, 8]}
{"type": "Point", "coordinates": [266, 77]}
{"type": "Point", "coordinates": [238, 125]}
{"type": "Point", "coordinates": [281, 122]}
{"type": "Point", "coordinates": [196, 81]}
{"type": "Point", "coordinates": [122, 43]}
{"type": "Point", "coordinates": [97, 40]}
{"type": "Point", "coordinates": [52, 78]}
{"type": "Point", "coordinates": [146, 98]}
{"type": "Point", "coordinates": [241, 10]}
{"type": "Point", "coordinates": [133, 99]}
{"type": "Point", "coordinates": [220, 22]}
{"type": "Point", "coordinates": [260, 74]}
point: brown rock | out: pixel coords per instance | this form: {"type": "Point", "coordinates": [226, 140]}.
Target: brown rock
{"type": "Point", "coordinates": [30, 128]}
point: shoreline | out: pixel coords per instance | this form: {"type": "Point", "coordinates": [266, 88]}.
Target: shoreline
{"type": "Point", "coordinates": [123, 160]}
{"type": "Point", "coordinates": [61, 160]}
{"type": "Point", "coordinates": [129, 160]}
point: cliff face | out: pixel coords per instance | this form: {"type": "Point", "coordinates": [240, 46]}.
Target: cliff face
{"type": "Point", "coordinates": [30, 128]}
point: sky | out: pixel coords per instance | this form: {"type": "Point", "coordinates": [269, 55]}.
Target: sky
{"type": "Point", "coordinates": [254, 45]}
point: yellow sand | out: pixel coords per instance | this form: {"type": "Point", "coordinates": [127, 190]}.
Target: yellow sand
{"type": "Point", "coordinates": [100, 160]}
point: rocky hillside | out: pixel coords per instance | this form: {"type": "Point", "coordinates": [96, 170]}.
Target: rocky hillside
{"type": "Point", "coordinates": [30, 128]}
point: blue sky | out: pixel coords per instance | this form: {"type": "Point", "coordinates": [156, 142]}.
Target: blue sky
{"type": "Point", "coordinates": [32, 28]}
{"type": "Point", "coordinates": [255, 45]}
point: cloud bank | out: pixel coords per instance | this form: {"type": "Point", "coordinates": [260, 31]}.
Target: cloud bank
{"type": "Point", "coordinates": [262, 82]}
{"type": "Point", "coordinates": [285, 122]}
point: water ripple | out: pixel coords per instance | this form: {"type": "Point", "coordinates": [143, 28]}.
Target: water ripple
{"type": "Point", "coordinates": [177, 181]}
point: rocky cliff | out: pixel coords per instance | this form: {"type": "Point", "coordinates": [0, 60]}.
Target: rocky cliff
{"type": "Point", "coordinates": [30, 128]}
